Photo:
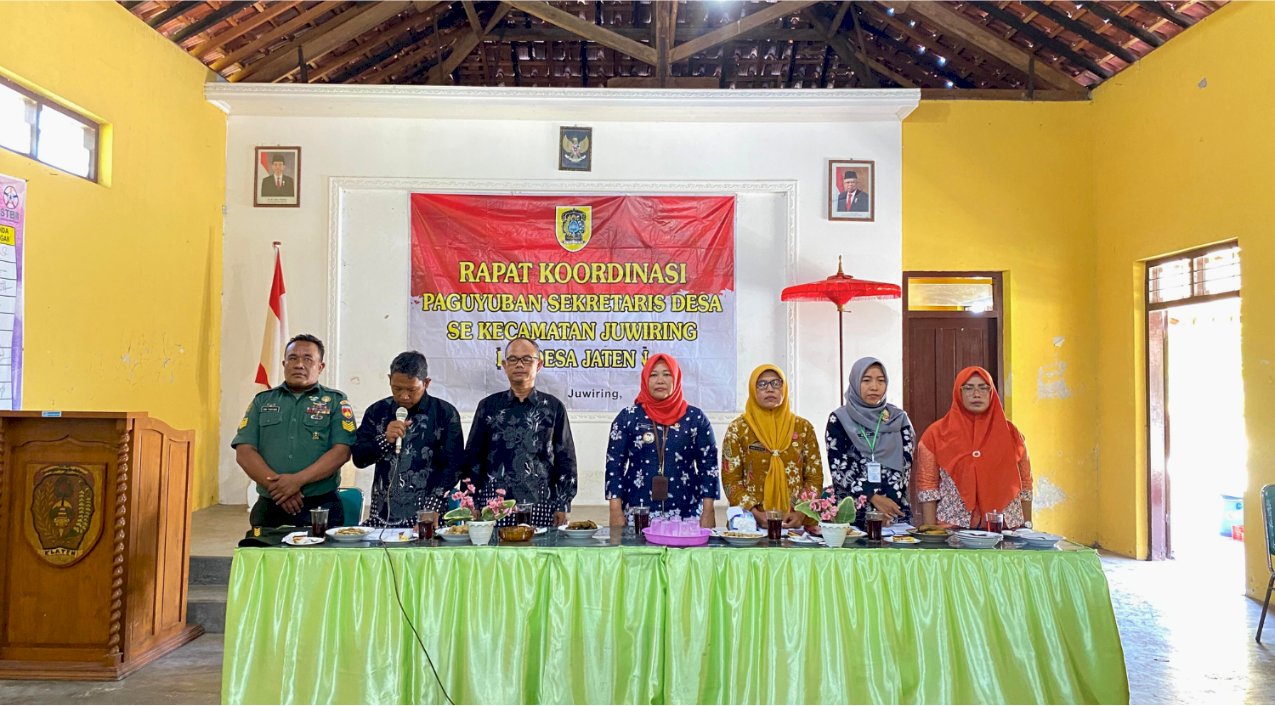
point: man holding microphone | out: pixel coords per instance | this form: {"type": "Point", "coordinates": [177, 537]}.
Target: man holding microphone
{"type": "Point", "coordinates": [416, 443]}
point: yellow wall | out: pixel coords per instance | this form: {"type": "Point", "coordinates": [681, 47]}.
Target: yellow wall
{"type": "Point", "coordinates": [123, 282]}
{"type": "Point", "coordinates": [1005, 186]}
{"type": "Point", "coordinates": [1183, 157]}
{"type": "Point", "coordinates": [1069, 199]}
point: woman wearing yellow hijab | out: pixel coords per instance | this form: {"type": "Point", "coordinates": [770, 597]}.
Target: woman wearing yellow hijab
{"type": "Point", "coordinates": [770, 455]}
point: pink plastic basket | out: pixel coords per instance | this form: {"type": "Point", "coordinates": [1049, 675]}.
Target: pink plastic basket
{"type": "Point", "coordinates": [670, 540]}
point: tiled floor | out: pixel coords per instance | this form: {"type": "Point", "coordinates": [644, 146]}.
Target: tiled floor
{"type": "Point", "coordinates": [1186, 628]}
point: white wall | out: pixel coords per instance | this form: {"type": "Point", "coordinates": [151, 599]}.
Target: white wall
{"type": "Point", "coordinates": [364, 149]}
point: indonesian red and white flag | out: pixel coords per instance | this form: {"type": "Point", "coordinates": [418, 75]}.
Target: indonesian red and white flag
{"type": "Point", "coordinates": [269, 369]}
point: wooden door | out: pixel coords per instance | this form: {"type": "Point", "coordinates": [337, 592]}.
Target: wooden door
{"type": "Point", "coordinates": [938, 347]}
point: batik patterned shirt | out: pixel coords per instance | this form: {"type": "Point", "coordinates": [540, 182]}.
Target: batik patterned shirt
{"type": "Point", "coordinates": [420, 477]}
{"type": "Point", "coordinates": [525, 448]}
{"type": "Point", "coordinates": [849, 468]}
{"type": "Point", "coordinates": [746, 461]}
{"type": "Point", "coordinates": [689, 449]}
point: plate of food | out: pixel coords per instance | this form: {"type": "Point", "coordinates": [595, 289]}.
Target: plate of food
{"type": "Point", "coordinates": [302, 539]}
{"type": "Point", "coordinates": [1038, 540]}
{"type": "Point", "coordinates": [977, 539]}
{"type": "Point", "coordinates": [579, 529]}
{"type": "Point", "coordinates": [396, 535]}
{"type": "Point", "coordinates": [931, 534]}
{"type": "Point", "coordinates": [349, 534]}
{"type": "Point", "coordinates": [454, 533]}
{"type": "Point", "coordinates": [809, 540]}
{"type": "Point", "coordinates": [740, 538]}
{"type": "Point", "coordinates": [902, 540]}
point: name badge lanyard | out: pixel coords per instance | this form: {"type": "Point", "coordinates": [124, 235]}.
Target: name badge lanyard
{"type": "Point", "coordinates": [660, 441]}
{"type": "Point", "coordinates": [874, 468]}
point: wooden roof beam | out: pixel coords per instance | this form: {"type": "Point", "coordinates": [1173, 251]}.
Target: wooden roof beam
{"type": "Point", "coordinates": [934, 65]}
{"type": "Point", "coordinates": [208, 20]}
{"type": "Point", "coordinates": [951, 55]}
{"type": "Point", "coordinates": [428, 48]}
{"type": "Point", "coordinates": [217, 41]}
{"type": "Point", "coordinates": [1177, 18]}
{"type": "Point", "coordinates": [174, 11]}
{"type": "Point", "coordinates": [857, 59]}
{"type": "Point", "coordinates": [273, 35]}
{"type": "Point", "coordinates": [586, 30]}
{"type": "Point", "coordinates": [854, 58]}
{"type": "Point", "coordinates": [728, 32]}
{"type": "Point", "coordinates": [392, 36]}
{"type": "Point", "coordinates": [1128, 26]}
{"type": "Point", "coordinates": [1081, 29]}
{"type": "Point", "coordinates": [465, 46]}
{"type": "Point", "coordinates": [951, 22]}
{"type": "Point", "coordinates": [665, 27]}
{"type": "Point", "coordinates": [1038, 37]}
{"type": "Point", "coordinates": [322, 40]}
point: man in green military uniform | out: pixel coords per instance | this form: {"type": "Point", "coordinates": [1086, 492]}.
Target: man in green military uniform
{"type": "Point", "coordinates": [294, 439]}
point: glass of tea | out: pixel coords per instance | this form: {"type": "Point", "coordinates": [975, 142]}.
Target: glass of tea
{"type": "Point", "coordinates": [522, 514]}
{"type": "Point", "coordinates": [774, 525]}
{"type": "Point", "coordinates": [641, 519]}
{"type": "Point", "coordinates": [318, 521]}
{"type": "Point", "coordinates": [426, 523]}
{"type": "Point", "coordinates": [994, 521]}
{"type": "Point", "coordinates": [872, 524]}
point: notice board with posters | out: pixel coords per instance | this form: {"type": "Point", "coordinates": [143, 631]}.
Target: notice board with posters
{"type": "Point", "coordinates": [599, 282]}
{"type": "Point", "coordinates": [13, 203]}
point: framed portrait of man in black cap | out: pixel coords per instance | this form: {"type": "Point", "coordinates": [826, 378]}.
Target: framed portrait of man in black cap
{"type": "Point", "coordinates": [277, 181]}
{"type": "Point", "coordinates": [850, 190]}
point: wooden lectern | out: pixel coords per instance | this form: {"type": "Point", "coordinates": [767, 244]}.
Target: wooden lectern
{"type": "Point", "coordinates": [95, 540]}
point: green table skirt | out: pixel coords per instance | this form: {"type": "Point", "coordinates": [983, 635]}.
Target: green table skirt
{"type": "Point", "coordinates": [654, 625]}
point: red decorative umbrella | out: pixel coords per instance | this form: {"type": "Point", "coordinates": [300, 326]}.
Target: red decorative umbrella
{"type": "Point", "coordinates": [840, 289]}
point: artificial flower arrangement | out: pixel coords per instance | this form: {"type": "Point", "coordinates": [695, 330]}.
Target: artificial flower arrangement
{"type": "Point", "coordinates": [826, 508]}
{"type": "Point", "coordinates": [496, 509]}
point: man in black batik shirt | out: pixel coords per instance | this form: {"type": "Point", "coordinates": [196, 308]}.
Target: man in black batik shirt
{"type": "Point", "coordinates": [433, 456]}
{"type": "Point", "coordinates": [520, 441]}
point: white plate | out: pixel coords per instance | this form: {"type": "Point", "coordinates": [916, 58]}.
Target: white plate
{"type": "Point", "coordinates": [364, 535]}
{"type": "Point", "coordinates": [902, 540]}
{"type": "Point", "coordinates": [807, 539]}
{"type": "Point", "coordinates": [302, 539]}
{"type": "Point", "coordinates": [394, 535]}
{"type": "Point", "coordinates": [578, 533]}
{"type": "Point", "coordinates": [449, 537]}
{"type": "Point", "coordinates": [752, 540]}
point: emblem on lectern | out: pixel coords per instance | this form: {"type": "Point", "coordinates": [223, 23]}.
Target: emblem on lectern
{"type": "Point", "coordinates": [65, 519]}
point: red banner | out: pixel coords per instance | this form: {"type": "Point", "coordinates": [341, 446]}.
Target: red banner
{"type": "Point", "coordinates": [598, 281]}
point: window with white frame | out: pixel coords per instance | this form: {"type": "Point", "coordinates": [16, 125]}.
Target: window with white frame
{"type": "Point", "coordinates": [47, 132]}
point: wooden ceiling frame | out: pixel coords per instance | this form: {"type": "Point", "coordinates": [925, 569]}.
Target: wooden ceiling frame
{"type": "Point", "coordinates": [932, 62]}
{"type": "Point", "coordinates": [949, 21]}
{"type": "Point", "coordinates": [586, 30]}
{"type": "Point", "coordinates": [411, 63]}
{"type": "Point", "coordinates": [171, 13]}
{"type": "Point", "coordinates": [320, 41]}
{"type": "Point", "coordinates": [1174, 16]}
{"type": "Point", "coordinates": [853, 58]}
{"type": "Point", "coordinates": [1038, 37]}
{"type": "Point", "coordinates": [1080, 29]}
{"type": "Point", "coordinates": [466, 46]}
{"type": "Point", "coordinates": [951, 54]}
{"type": "Point", "coordinates": [217, 41]}
{"type": "Point", "coordinates": [753, 20]}
{"type": "Point", "coordinates": [221, 14]}
{"type": "Point", "coordinates": [390, 35]}
{"type": "Point", "coordinates": [255, 45]}
{"type": "Point", "coordinates": [1128, 26]}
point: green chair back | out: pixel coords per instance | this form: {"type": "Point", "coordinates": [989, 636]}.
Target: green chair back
{"type": "Point", "coordinates": [352, 503]}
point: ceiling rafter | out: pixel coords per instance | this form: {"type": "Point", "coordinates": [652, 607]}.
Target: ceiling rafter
{"type": "Point", "coordinates": [322, 39]}
{"type": "Point", "coordinates": [1079, 28]}
{"type": "Point", "coordinates": [1129, 27]}
{"type": "Point", "coordinates": [390, 35]}
{"type": "Point", "coordinates": [722, 34]}
{"type": "Point", "coordinates": [854, 58]}
{"type": "Point", "coordinates": [1037, 36]}
{"type": "Point", "coordinates": [950, 21]}
{"type": "Point", "coordinates": [265, 40]}
{"type": "Point", "coordinates": [587, 30]}
{"type": "Point", "coordinates": [466, 45]}
{"type": "Point", "coordinates": [951, 55]}
{"type": "Point", "coordinates": [217, 41]}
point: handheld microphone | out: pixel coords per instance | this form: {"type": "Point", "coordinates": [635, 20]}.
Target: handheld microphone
{"type": "Point", "coordinates": [400, 415]}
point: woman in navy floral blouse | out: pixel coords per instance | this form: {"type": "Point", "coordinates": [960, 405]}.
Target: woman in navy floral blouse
{"type": "Point", "coordinates": [661, 435]}
{"type": "Point", "coordinates": [870, 444]}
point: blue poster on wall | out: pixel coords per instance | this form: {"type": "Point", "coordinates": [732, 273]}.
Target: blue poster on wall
{"type": "Point", "coordinates": [13, 203]}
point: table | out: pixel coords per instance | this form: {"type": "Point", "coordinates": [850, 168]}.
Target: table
{"type": "Point", "coordinates": [553, 623]}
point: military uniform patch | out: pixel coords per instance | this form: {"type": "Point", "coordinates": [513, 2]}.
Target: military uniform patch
{"type": "Point", "coordinates": [347, 416]}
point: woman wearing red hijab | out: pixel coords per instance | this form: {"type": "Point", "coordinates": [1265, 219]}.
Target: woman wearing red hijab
{"type": "Point", "coordinates": [973, 460]}
{"type": "Point", "coordinates": [659, 442]}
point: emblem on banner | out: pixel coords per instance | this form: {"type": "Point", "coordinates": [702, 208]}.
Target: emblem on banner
{"type": "Point", "coordinates": [574, 227]}
{"type": "Point", "coordinates": [65, 517]}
